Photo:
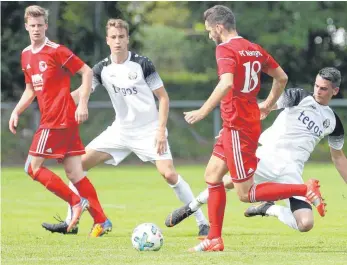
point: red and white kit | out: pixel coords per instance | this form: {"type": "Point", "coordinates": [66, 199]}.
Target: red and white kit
{"type": "Point", "coordinates": [238, 142]}
{"type": "Point", "coordinates": [49, 70]}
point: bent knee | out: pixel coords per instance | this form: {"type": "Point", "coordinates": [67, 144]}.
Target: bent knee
{"type": "Point", "coordinates": [305, 225]}
{"type": "Point", "coordinates": [243, 196]}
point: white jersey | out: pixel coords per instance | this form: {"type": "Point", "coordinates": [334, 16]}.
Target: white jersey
{"type": "Point", "coordinates": [299, 128]}
{"type": "Point", "coordinates": [130, 86]}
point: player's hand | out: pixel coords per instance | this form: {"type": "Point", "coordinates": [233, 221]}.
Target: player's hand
{"type": "Point", "coordinates": [160, 142]}
{"type": "Point", "coordinates": [193, 116]}
{"type": "Point", "coordinates": [219, 134]}
{"type": "Point", "coordinates": [265, 109]}
{"type": "Point", "coordinates": [13, 122]}
{"type": "Point", "coordinates": [81, 114]}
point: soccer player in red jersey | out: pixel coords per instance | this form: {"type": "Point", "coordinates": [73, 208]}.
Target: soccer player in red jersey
{"type": "Point", "coordinates": [47, 67]}
{"type": "Point", "coordinates": [240, 63]}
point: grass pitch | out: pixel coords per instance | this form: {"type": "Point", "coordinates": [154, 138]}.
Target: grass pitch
{"type": "Point", "coordinates": [136, 194]}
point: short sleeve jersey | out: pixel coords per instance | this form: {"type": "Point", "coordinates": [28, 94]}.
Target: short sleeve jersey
{"type": "Point", "coordinates": [130, 86]}
{"type": "Point", "coordinates": [245, 60]}
{"type": "Point", "coordinates": [300, 126]}
{"type": "Point", "coordinates": [49, 70]}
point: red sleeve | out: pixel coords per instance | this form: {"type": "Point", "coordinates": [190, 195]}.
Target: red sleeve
{"type": "Point", "coordinates": [269, 62]}
{"type": "Point", "coordinates": [26, 74]}
{"type": "Point", "coordinates": [226, 61]}
{"type": "Point", "coordinates": [68, 60]}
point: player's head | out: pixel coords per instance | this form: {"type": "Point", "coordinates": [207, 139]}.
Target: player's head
{"type": "Point", "coordinates": [327, 85]}
{"type": "Point", "coordinates": [36, 22]}
{"type": "Point", "coordinates": [117, 35]}
{"type": "Point", "coordinates": [218, 20]}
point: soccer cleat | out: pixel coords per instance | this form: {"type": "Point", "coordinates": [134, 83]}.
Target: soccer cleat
{"type": "Point", "coordinates": [100, 229]}
{"type": "Point", "coordinates": [60, 227]}
{"type": "Point", "coordinates": [203, 230]}
{"type": "Point", "coordinates": [314, 196]}
{"type": "Point", "coordinates": [178, 216]}
{"type": "Point", "coordinates": [259, 209]}
{"type": "Point", "coordinates": [208, 245]}
{"type": "Point", "coordinates": [77, 211]}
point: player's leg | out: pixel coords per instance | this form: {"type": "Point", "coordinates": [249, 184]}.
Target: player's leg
{"type": "Point", "coordinates": [241, 148]}
{"type": "Point", "coordinates": [298, 213]}
{"type": "Point", "coordinates": [46, 144]}
{"type": "Point", "coordinates": [182, 191]}
{"type": "Point", "coordinates": [215, 170]}
{"type": "Point", "coordinates": [187, 210]}
{"type": "Point", "coordinates": [74, 171]}
{"type": "Point", "coordinates": [143, 145]}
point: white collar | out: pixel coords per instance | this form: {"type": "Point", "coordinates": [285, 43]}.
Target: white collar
{"type": "Point", "coordinates": [129, 56]}
{"type": "Point", "coordinates": [40, 48]}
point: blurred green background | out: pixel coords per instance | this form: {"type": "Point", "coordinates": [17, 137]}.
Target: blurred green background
{"type": "Point", "coordinates": [302, 36]}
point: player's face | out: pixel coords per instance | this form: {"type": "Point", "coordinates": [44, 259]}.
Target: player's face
{"type": "Point", "coordinates": [214, 33]}
{"type": "Point", "coordinates": [36, 27]}
{"type": "Point", "coordinates": [118, 40]}
{"type": "Point", "coordinates": [324, 90]}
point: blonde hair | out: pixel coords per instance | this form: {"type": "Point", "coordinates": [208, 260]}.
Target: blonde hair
{"type": "Point", "coordinates": [117, 23]}
{"type": "Point", "coordinates": [35, 11]}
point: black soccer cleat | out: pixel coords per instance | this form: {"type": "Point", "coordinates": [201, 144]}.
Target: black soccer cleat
{"type": "Point", "coordinates": [178, 216]}
{"type": "Point", "coordinates": [203, 230]}
{"type": "Point", "coordinates": [60, 227]}
{"type": "Point", "coordinates": [259, 209]}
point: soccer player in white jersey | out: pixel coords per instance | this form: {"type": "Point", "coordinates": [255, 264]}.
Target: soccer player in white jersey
{"type": "Point", "coordinates": [285, 148]}
{"type": "Point", "coordinates": [131, 80]}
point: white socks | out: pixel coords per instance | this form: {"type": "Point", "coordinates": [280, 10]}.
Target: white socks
{"type": "Point", "coordinates": [69, 210]}
{"type": "Point", "coordinates": [185, 195]}
{"type": "Point", "coordinates": [284, 214]}
{"type": "Point", "coordinates": [200, 200]}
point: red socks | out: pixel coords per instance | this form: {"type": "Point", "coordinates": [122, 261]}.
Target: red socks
{"type": "Point", "coordinates": [55, 185]}
{"type": "Point", "coordinates": [87, 190]}
{"type": "Point", "coordinates": [270, 191]}
{"type": "Point", "coordinates": [216, 207]}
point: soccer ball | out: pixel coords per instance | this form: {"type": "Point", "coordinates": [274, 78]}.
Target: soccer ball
{"type": "Point", "coordinates": [147, 237]}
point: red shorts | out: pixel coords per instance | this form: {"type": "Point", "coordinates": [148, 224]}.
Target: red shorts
{"type": "Point", "coordinates": [57, 143]}
{"type": "Point", "coordinates": [238, 150]}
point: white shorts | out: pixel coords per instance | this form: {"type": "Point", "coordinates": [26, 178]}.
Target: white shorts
{"type": "Point", "coordinates": [121, 143]}
{"type": "Point", "coordinates": [272, 169]}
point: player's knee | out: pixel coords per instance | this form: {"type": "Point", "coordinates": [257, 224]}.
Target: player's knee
{"type": "Point", "coordinates": [243, 197]}
{"type": "Point", "coordinates": [170, 176]}
{"type": "Point", "coordinates": [31, 171]}
{"type": "Point", "coordinates": [305, 224]}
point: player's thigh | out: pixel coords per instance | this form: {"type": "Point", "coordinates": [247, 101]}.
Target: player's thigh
{"type": "Point", "coordinates": [73, 168]}
{"type": "Point", "coordinates": [93, 158]}
{"type": "Point", "coordinates": [303, 214]}
{"type": "Point", "coordinates": [240, 152]}
{"type": "Point", "coordinates": [215, 170]}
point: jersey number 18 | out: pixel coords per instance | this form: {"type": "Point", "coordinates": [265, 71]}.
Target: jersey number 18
{"type": "Point", "coordinates": [251, 74]}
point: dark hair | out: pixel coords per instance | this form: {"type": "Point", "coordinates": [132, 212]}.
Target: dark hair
{"type": "Point", "coordinates": [331, 74]}
{"type": "Point", "coordinates": [220, 15]}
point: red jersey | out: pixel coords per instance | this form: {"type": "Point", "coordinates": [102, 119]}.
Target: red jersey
{"type": "Point", "coordinates": [49, 70]}
{"type": "Point", "coordinates": [245, 60]}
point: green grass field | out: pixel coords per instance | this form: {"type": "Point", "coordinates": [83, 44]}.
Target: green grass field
{"type": "Point", "coordinates": [136, 194]}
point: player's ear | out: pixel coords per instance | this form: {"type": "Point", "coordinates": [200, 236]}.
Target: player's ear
{"type": "Point", "coordinates": [26, 26]}
{"type": "Point", "coordinates": [336, 90]}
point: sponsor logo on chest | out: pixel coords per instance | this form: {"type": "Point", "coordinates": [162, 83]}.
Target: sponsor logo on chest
{"type": "Point", "coordinates": [310, 124]}
{"type": "Point", "coordinates": [37, 81]}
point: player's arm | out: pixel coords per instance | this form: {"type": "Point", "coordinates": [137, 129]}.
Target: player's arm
{"type": "Point", "coordinates": [340, 161]}
{"type": "Point", "coordinates": [280, 80]}
{"type": "Point", "coordinates": [96, 81]}
{"type": "Point", "coordinates": [224, 85]}
{"type": "Point", "coordinates": [336, 142]}
{"type": "Point", "coordinates": [84, 93]}
{"type": "Point", "coordinates": [27, 98]}
{"type": "Point", "coordinates": [226, 64]}
{"type": "Point", "coordinates": [163, 99]}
